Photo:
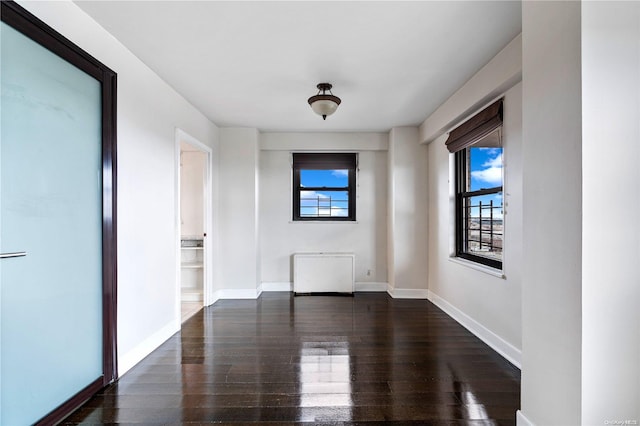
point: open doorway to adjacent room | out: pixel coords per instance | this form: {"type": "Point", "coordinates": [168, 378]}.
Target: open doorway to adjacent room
{"type": "Point", "coordinates": [194, 213]}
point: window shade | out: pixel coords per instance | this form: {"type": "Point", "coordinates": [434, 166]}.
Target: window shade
{"type": "Point", "coordinates": [324, 161]}
{"type": "Point", "coordinates": [476, 128]}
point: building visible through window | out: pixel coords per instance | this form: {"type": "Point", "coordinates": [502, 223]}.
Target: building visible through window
{"type": "Point", "coordinates": [324, 186]}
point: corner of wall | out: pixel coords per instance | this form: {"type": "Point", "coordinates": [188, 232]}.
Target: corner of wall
{"type": "Point", "coordinates": [522, 420]}
{"type": "Point", "coordinates": [407, 213]}
{"type": "Point", "coordinates": [128, 360]}
{"type": "Point", "coordinates": [407, 293]}
{"type": "Point", "coordinates": [504, 348]}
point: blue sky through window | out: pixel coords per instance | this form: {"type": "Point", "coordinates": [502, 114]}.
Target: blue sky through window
{"type": "Point", "coordinates": [486, 172]}
{"type": "Point", "coordinates": [324, 178]}
{"type": "Point", "coordinates": [486, 168]}
{"type": "Point", "coordinates": [324, 203]}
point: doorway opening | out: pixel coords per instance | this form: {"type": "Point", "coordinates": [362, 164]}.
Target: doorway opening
{"type": "Point", "coordinates": [193, 224]}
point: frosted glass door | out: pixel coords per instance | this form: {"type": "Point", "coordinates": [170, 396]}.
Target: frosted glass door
{"type": "Point", "coordinates": [50, 209]}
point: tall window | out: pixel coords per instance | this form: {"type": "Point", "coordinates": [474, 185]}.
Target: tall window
{"type": "Point", "coordinates": [477, 146]}
{"type": "Point", "coordinates": [479, 213]}
{"type": "Point", "coordinates": [324, 186]}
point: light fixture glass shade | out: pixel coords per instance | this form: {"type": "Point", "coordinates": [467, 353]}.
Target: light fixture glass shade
{"type": "Point", "coordinates": [324, 104]}
{"type": "Point", "coordinates": [324, 107]}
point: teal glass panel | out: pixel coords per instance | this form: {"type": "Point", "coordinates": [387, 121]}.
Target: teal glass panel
{"type": "Point", "coordinates": [50, 208]}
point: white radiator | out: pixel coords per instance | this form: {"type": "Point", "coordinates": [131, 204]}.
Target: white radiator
{"type": "Point", "coordinates": [323, 272]}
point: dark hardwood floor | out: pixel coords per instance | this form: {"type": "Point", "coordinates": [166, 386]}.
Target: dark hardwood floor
{"type": "Point", "coordinates": [367, 359]}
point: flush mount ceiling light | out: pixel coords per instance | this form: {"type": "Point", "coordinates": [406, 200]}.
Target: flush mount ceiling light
{"type": "Point", "coordinates": [323, 104]}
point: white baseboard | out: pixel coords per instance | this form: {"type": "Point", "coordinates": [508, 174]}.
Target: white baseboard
{"type": "Point", "coordinates": [406, 293]}
{"type": "Point", "coordinates": [148, 345]}
{"type": "Point", "coordinates": [277, 286]}
{"type": "Point", "coordinates": [213, 298]}
{"type": "Point", "coordinates": [504, 348]}
{"type": "Point", "coordinates": [370, 286]}
{"type": "Point", "coordinates": [522, 420]}
{"type": "Point", "coordinates": [288, 286]}
{"type": "Point", "coordinates": [238, 293]}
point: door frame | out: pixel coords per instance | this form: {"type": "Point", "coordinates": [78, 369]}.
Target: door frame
{"type": "Point", "coordinates": [182, 136]}
{"type": "Point", "coordinates": [23, 21]}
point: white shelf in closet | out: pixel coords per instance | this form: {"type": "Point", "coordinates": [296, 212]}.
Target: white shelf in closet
{"type": "Point", "coordinates": [192, 265]}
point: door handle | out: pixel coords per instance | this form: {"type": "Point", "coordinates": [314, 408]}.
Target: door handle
{"type": "Point", "coordinates": [14, 254]}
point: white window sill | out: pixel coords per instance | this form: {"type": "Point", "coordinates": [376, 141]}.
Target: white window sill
{"type": "Point", "coordinates": [478, 267]}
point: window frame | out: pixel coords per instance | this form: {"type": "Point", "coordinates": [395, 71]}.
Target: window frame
{"type": "Point", "coordinates": [461, 193]}
{"type": "Point", "coordinates": [324, 161]}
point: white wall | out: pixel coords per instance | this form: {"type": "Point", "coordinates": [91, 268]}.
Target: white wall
{"type": "Point", "coordinates": [610, 205]}
{"type": "Point", "coordinates": [192, 184]}
{"type": "Point", "coordinates": [281, 237]}
{"type": "Point", "coordinates": [487, 302]}
{"type": "Point", "coordinates": [238, 269]}
{"type": "Point", "coordinates": [407, 222]}
{"type": "Point", "coordinates": [496, 77]}
{"type": "Point", "coordinates": [552, 218]}
{"type": "Point", "coordinates": [148, 112]}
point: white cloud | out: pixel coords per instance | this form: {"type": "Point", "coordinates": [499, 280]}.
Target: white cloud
{"type": "Point", "coordinates": [313, 194]}
{"type": "Point", "coordinates": [494, 162]}
{"type": "Point", "coordinates": [337, 211]}
{"type": "Point", "coordinates": [490, 151]}
{"type": "Point", "coordinates": [492, 175]}
{"type": "Point", "coordinates": [340, 173]}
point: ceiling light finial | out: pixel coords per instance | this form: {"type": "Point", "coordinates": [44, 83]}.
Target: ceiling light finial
{"type": "Point", "coordinates": [324, 104]}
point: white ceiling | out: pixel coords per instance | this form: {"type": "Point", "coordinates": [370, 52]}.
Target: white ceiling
{"type": "Point", "coordinates": [254, 64]}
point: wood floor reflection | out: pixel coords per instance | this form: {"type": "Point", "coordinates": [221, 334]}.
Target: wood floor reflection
{"type": "Point", "coordinates": [367, 359]}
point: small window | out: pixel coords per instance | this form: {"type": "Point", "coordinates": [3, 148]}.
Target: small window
{"type": "Point", "coordinates": [324, 186]}
{"type": "Point", "coordinates": [479, 212]}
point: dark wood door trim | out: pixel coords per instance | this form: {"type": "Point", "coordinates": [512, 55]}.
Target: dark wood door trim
{"type": "Point", "coordinates": [19, 18]}
{"type": "Point", "coordinates": [70, 405]}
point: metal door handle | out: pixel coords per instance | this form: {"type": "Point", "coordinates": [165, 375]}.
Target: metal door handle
{"type": "Point", "coordinates": [14, 254]}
